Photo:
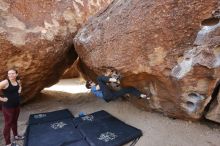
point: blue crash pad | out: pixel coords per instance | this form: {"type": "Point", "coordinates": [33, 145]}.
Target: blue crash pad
{"type": "Point", "coordinates": [49, 116]}
{"type": "Point", "coordinates": [59, 128]}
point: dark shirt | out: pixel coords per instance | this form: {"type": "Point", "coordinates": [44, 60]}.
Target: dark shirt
{"type": "Point", "coordinates": [11, 92]}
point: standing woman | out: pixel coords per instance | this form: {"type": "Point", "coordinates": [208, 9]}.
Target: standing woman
{"type": "Point", "coordinates": [11, 89]}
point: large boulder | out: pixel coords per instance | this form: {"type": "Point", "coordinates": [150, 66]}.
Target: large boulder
{"type": "Point", "coordinates": [36, 38]}
{"type": "Point", "coordinates": [157, 46]}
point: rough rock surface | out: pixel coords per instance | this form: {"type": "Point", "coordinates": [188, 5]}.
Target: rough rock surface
{"type": "Point", "coordinates": [36, 38]}
{"type": "Point", "coordinates": [157, 46]}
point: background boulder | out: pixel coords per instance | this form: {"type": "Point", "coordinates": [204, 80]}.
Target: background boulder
{"type": "Point", "coordinates": [169, 48]}
{"type": "Point", "coordinates": [36, 38]}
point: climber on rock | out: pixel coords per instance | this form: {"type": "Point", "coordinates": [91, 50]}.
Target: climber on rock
{"type": "Point", "coordinates": [103, 91]}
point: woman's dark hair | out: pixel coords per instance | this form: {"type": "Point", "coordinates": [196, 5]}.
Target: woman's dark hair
{"type": "Point", "coordinates": [18, 77]}
{"type": "Point", "coordinates": [13, 70]}
{"type": "Point", "coordinates": [88, 84]}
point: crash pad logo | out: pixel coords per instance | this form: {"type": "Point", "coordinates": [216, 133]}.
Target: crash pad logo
{"type": "Point", "coordinates": [88, 118]}
{"type": "Point", "coordinates": [39, 116]}
{"type": "Point", "coordinates": [58, 125]}
{"type": "Point", "coordinates": [107, 136]}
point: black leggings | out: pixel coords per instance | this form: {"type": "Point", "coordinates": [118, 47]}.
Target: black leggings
{"type": "Point", "coordinates": [112, 95]}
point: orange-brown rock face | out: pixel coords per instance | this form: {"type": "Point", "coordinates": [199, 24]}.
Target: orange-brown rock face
{"type": "Point", "coordinates": [36, 38]}
{"type": "Point", "coordinates": [157, 46]}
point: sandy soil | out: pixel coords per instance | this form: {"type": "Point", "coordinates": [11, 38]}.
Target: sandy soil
{"type": "Point", "coordinates": [158, 130]}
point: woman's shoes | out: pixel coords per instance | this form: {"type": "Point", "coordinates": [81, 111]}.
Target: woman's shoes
{"type": "Point", "coordinates": [12, 144]}
{"type": "Point", "coordinates": [18, 137]}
